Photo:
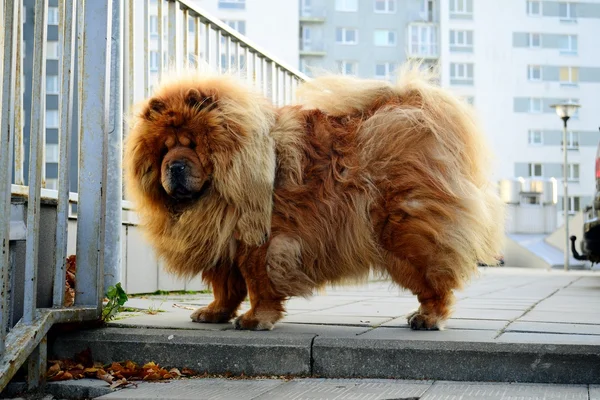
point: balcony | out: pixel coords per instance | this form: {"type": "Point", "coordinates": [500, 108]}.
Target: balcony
{"type": "Point", "coordinates": [310, 48]}
{"type": "Point", "coordinates": [313, 15]}
{"type": "Point", "coordinates": [423, 40]}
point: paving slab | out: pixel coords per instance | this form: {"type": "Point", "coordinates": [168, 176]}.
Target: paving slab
{"type": "Point", "coordinates": [594, 392]}
{"type": "Point", "coordinates": [213, 389]}
{"type": "Point", "coordinates": [552, 327]}
{"type": "Point", "coordinates": [450, 335]}
{"type": "Point", "coordinates": [451, 324]}
{"type": "Point", "coordinates": [347, 389]}
{"type": "Point", "coordinates": [551, 338]}
{"type": "Point", "coordinates": [497, 391]}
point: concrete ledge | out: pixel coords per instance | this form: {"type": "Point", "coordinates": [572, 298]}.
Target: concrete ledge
{"type": "Point", "coordinates": [339, 354]}
{"type": "Point", "coordinates": [456, 361]}
{"type": "Point", "coordinates": [250, 353]}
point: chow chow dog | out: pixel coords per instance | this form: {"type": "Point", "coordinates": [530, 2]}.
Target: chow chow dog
{"type": "Point", "coordinates": [358, 176]}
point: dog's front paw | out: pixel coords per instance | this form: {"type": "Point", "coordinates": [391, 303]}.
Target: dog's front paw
{"type": "Point", "coordinates": [418, 321]}
{"type": "Point", "coordinates": [208, 315]}
{"type": "Point", "coordinates": [257, 321]}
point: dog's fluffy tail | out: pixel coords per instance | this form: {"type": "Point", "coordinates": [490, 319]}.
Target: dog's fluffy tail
{"type": "Point", "coordinates": [422, 111]}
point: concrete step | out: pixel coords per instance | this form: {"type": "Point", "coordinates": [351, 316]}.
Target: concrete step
{"type": "Point", "coordinates": [338, 352]}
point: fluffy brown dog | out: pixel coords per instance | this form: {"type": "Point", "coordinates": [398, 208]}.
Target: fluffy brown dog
{"type": "Point", "coordinates": [360, 176]}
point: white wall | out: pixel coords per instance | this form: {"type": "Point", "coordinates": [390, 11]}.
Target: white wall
{"type": "Point", "coordinates": [271, 24]}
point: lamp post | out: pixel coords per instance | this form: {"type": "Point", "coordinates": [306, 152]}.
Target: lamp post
{"type": "Point", "coordinates": [565, 111]}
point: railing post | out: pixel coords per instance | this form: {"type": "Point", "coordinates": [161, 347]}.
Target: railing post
{"type": "Point", "coordinates": [93, 136]}
{"type": "Point", "coordinates": [114, 182]}
{"type": "Point", "coordinates": [8, 57]}
{"type": "Point", "coordinates": [37, 138]}
{"type": "Point", "coordinates": [67, 40]}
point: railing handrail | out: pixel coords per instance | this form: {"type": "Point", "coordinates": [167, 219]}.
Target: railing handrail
{"type": "Point", "coordinates": [205, 17]}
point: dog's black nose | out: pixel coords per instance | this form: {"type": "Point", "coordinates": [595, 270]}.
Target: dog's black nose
{"type": "Point", "coordinates": [177, 167]}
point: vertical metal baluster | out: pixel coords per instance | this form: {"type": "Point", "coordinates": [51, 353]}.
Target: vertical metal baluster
{"type": "Point", "coordinates": [208, 47]}
{"type": "Point", "coordinates": [265, 78]}
{"type": "Point", "coordinates": [65, 106]}
{"type": "Point", "coordinates": [146, 68]}
{"type": "Point", "coordinates": [130, 53]}
{"type": "Point", "coordinates": [248, 66]}
{"type": "Point", "coordinates": [113, 179]}
{"type": "Point", "coordinates": [218, 50]}
{"type": "Point", "coordinates": [160, 39]}
{"type": "Point", "coordinates": [274, 83]}
{"type": "Point", "coordinates": [186, 38]}
{"type": "Point", "coordinates": [196, 40]}
{"type": "Point", "coordinates": [8, 56]}
{"type": "Point", "coordinates": [36, 152]}
{"type": "Point", "coordinates": [19, 154]}
{"type": "Point", "coordinates": [228, 54]}
{"type": "Point", "coordinates": [94, 115]}
{"type": "Point", "coordinates": [173, 35]}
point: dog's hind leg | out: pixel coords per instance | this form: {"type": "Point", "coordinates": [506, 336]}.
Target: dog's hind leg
{"type": "Point", "coordinates": [436, 298]}
{"type": "Point", "coordinates": [229, 290]}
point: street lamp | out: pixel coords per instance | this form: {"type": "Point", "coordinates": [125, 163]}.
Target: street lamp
{"type": "Point", "coordinates": [566, 111]}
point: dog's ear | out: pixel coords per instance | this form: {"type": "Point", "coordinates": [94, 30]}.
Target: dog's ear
{"type": "Point", "coordinates": [200, 101]}
{"type": "Point", "coordinates": [155, 107]}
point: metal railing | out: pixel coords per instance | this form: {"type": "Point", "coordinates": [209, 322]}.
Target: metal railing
{"type": "Point", "coordinates": [107, 46]}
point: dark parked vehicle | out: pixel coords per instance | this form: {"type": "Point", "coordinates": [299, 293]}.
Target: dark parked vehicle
{"type": "Point", "coordinates": [590, 245]}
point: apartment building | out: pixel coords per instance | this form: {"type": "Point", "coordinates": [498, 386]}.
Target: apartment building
{"type": "Point", "coordinates": [514, 59]}
{"type": "Point", "coordinates": [511, 59]}
{"type": "Point", "coordinates": [368, 38]}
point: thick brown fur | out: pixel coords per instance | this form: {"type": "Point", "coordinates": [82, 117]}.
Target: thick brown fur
{"type": "Point", "coordinates": [360, 176]}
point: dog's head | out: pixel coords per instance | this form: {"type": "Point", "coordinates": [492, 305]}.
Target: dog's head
{"type": "Point", "coordinates": [201, 137]}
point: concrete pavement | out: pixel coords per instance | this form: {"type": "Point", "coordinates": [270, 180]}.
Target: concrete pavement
{"type": "Point", "coordinates": [510, 325]}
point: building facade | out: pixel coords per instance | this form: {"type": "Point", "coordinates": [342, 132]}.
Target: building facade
{"type": "Point", "coordinates": [511, 59]}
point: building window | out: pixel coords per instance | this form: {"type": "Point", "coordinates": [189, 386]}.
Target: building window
{"type": "Point", "coordinates": [461, 72]}
{"type": "Point", "coordinates": [346, 5]}
{"type": "Point", "coordinates": [384, 38]}
{"type": "Point", "coordinates": [574, 204]}
{"type": "Point", "coordinates": [568, 44]}
{"type": "Point", "coordinates": [385, 70]}
{"type": "Point", "coordinates": [154, 61]}
{"type": "Point", "coordinates": [569, 76]}
{"type": "Point", "coordinates": [52, 50]}
{"type": "Point", "coordinates": [52, 15]}
{"type": "Point", "coordinates": [566, 12]}
{"type": "Point", "coordinates": [423, 40]}
{"type": "Point", "coordinates": [534, 8]}
{"type": "Point", "coordinates": [233, 4]}
{"type": "Point", "coordinates": [306, 37]}
{"type": "Point", "coordinates": [463, 39]}
{"type": "Point", "coordinates": [52, 119]}
{"type": "Point", "coordinates": [346, 36]}
{"type": "Point", "coordinates": [572, 140]}
{"type": "Point", "coordinates": [426, 10]}
{"type": "Point", "coordinates": [51, 183]}
{"type": "Point", "coordinates": [153, 26]}
{"type": "Point", "coordinates": [573, 172]}
{"type": "Point", "coordinates": [51, 152]}
{"type": "Point", "coordinates": [384, 6]}
{"type": "Point", "coordinates": [535, 105]}
{"type": "Point", "coordinates": [535, 40]}
{"type": "Point", "coordinates": [536, 171]}
{"type": "Point", "coordinates": [306, 7]}
{"type": "Point", "coordinates": [462, 7]}
{"type": "Point", "coordinates": [347, 67]}
{"type": "Point", "coordinates": [52, 84]}
{"type": "Point", "coordinates": [534, 73]}
{"type": "Point", "coordinates": [238, 25]}
{"type": "Point", "coordinates": [536, 138]}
